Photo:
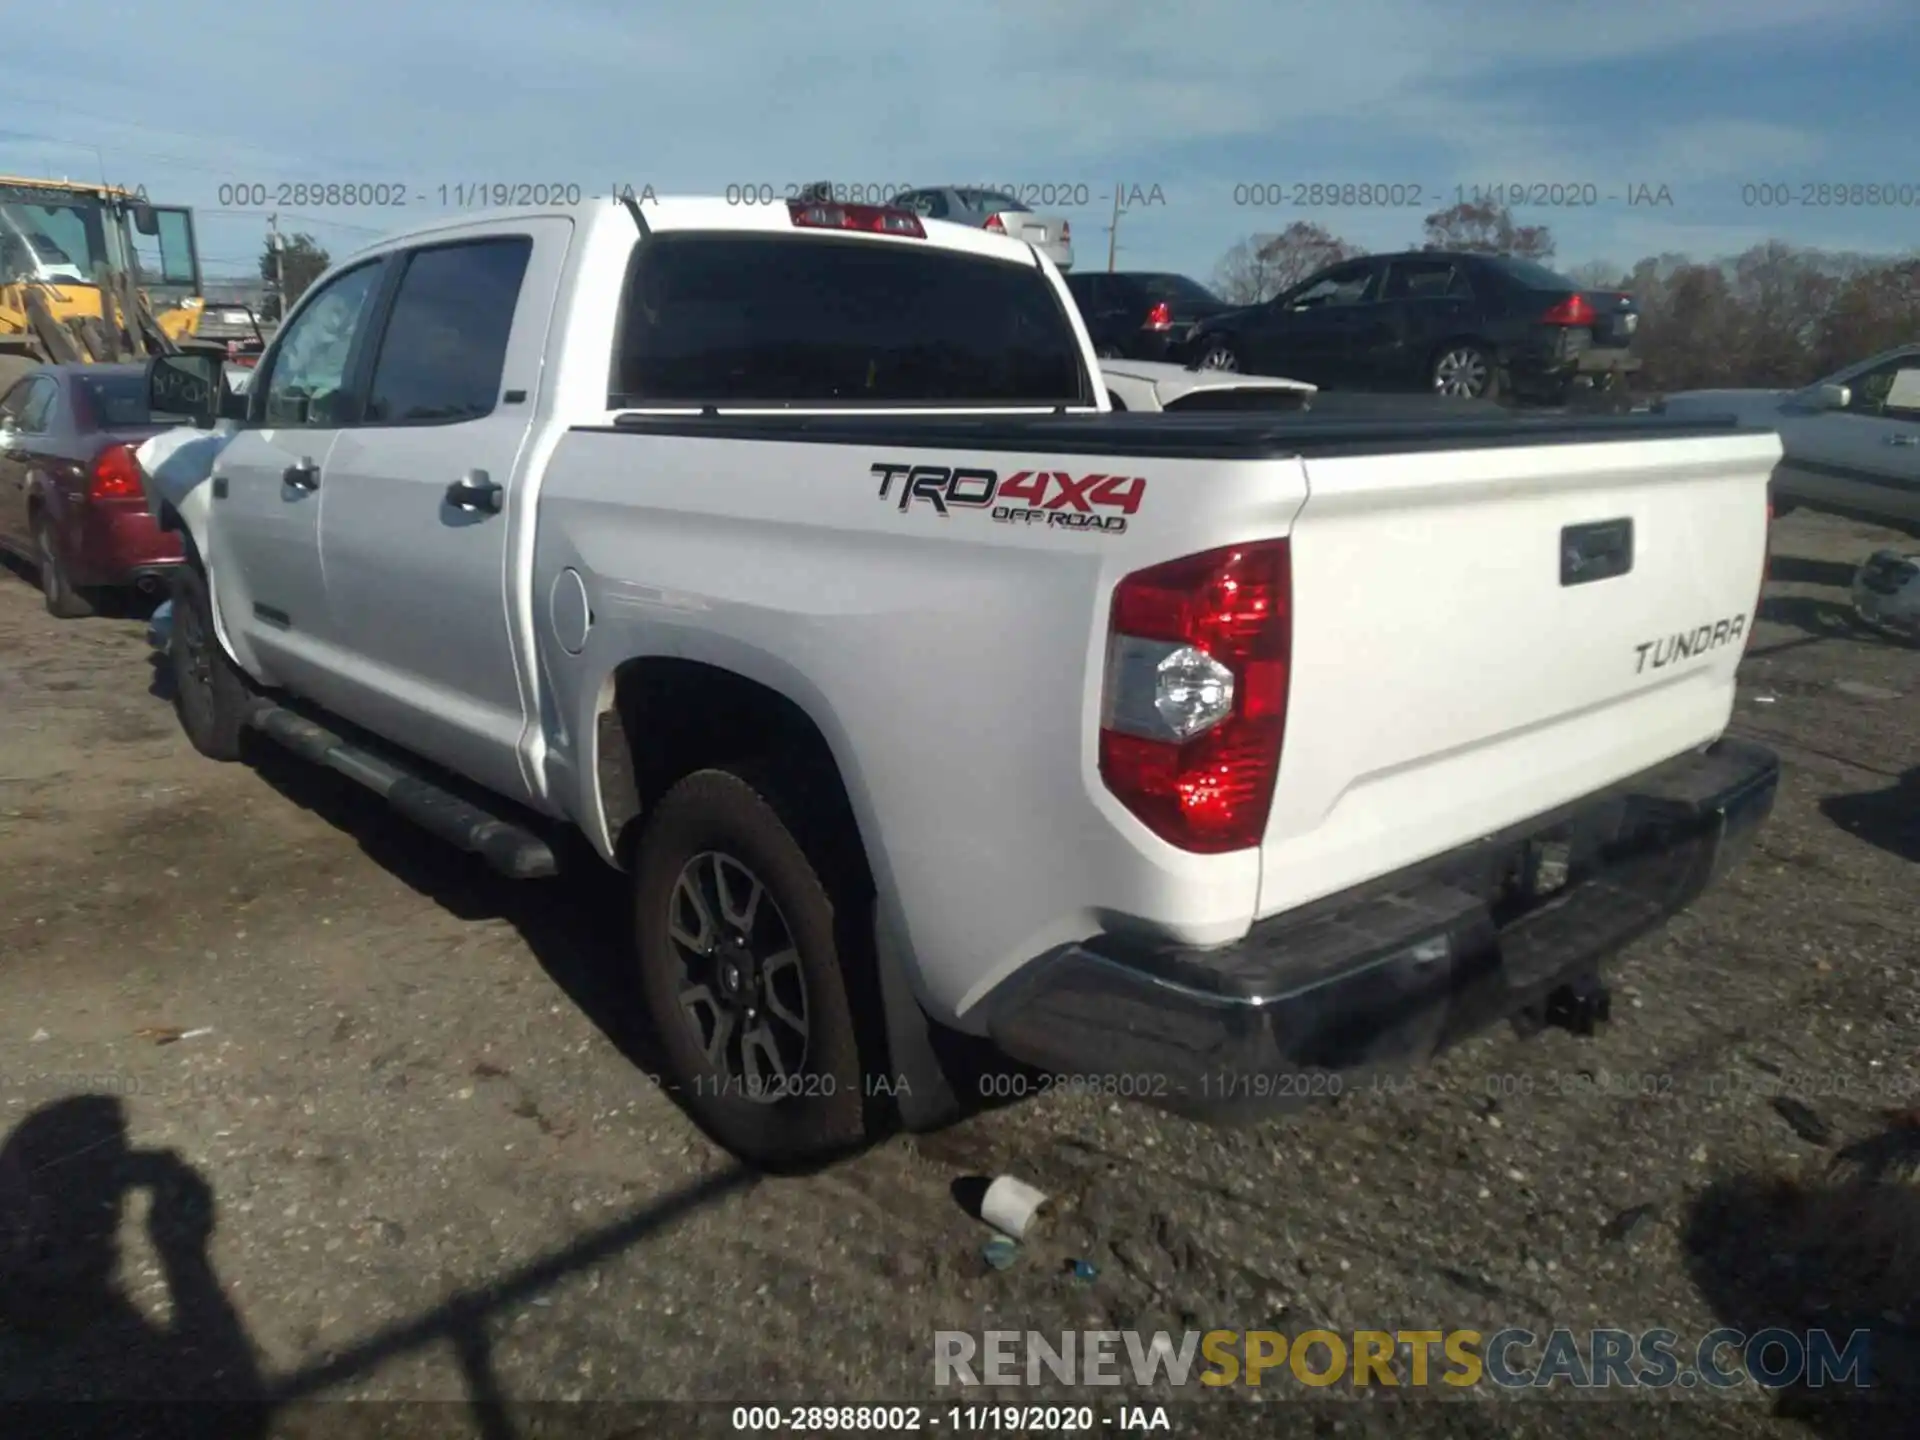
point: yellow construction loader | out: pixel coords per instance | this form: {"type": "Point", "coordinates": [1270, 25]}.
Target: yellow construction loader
{"type": "Point", "coordinates": [94, 274]}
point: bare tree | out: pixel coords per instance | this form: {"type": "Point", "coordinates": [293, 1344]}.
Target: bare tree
{"type": "Point", "coordinates": [1486, 229]}
{"type": "Point", "coordinates": [1599, 275]}
{"type": "Point", "coordinates": [1263, 266]}
{"type": "Point", "coordinates": [1870, 312]}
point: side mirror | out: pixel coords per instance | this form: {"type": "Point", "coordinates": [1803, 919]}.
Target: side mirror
{"type": "Point", "coordinates": [187, 385]}
{"type": "Point", "coordinates": [1832, 397]}
{"type": "Point", "coordinates": [144, 220]}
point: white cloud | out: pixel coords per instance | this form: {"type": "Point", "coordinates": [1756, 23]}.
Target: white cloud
{"type": "Point", "coordinates": [1194, 96]}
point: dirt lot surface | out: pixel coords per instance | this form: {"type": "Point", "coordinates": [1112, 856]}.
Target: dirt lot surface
{"type": "Point", "coordinates": [397, 1155]}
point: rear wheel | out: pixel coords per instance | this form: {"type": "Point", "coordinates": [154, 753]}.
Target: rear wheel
{"type": "Point", "coordinates": [62, 598]}
{"type": "Point", "coordinates": [745, 940]}
{"type": "Point", "coordinates": [1216, 352]}
{"type": "Point", "coordinates": [210, 694]}
{"type": "Point", "coordinates": [1465, 371]}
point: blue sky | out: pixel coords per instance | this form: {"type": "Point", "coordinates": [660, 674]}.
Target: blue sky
{"type": "Point", "coordinates": [1198, 99]}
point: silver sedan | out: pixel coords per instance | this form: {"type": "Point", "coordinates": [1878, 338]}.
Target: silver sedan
{"type": "Point", "coordinates": [1852, 440]}
{"type": "Point", "coordinates": [994, 210]}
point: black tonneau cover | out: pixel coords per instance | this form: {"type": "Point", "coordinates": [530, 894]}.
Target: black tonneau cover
{"type": "Point", "coordinates": [1355, 425]}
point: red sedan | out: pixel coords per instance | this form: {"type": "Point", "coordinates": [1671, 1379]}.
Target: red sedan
{"type": "Point", "coordinates": [71, 499]}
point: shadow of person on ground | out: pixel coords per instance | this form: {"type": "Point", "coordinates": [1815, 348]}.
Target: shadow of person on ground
{"type": "Point", "coordinates": [1837, 1251]}
{"type": "Point", "coordinates": [68, 1331]}
{"type": "Point", "coordinates": [1888, 818]}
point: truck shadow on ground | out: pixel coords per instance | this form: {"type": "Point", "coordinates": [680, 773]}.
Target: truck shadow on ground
{"type": "Point", "coordinates": [69, 1334]}
{"type": "Point", "coordinates": [1799, 570]}
{"type": "Point", "coordinates": [1836, 1250]}
{"type": "Point", "coordinates": [1888, 818]}
{"type": "Point", "coordinates": [1813, 616]}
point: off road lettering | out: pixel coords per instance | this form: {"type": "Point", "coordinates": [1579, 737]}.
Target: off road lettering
{"type": "Point", "coordinates": [1047, 497]}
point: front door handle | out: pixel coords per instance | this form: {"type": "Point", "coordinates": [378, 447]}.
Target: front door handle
{"type": "Point", "coordinates": [1903, 439]}
{"type": "Point", "coordinates": [475, 493]}
{"type": "Point", "coordinates": [303, 475]}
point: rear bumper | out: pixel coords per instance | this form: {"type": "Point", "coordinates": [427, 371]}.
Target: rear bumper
{"type": "Point", "coordinates": [1388, 975]}
{"type": "Point", "coordinates": [1562, 355]}
{"type": "Point", "coordinates": [1605, 362]}
{"type": "Point", "coordinates": [113, 544]}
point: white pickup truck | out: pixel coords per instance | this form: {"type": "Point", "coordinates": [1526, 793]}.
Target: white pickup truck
{"type": "Point", "coordinates": [792, 556]}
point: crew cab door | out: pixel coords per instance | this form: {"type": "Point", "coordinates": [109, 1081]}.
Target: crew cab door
{"type": "Point", "coordinates": [420, 515]}
{"type": "Point", "coordinates": [263, 529]}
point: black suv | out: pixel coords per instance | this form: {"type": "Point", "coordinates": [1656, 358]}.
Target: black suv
{"type": "Point", "coordinates": [1452, 323]}
{"type": "Point", "coordinates": [1140, 315]}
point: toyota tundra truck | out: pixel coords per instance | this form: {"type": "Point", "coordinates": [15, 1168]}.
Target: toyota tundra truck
{"type": "Point", "coordinates": [794, 557]}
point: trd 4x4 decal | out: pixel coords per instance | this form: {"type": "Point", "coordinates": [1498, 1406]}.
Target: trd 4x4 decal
{"type": "Point", "coordinates": [1027, 497]}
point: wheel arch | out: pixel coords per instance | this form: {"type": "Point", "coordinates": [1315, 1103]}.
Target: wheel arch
{"type": "Point", "coordinates": [657, 718]}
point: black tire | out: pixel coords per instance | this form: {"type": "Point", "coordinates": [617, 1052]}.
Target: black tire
{"type": "Point", "coordinates": [63, 600]}
{"type": "Point", "coordinates": [820, 1108]}
{"type": "Point", "coordinates": [210, 694]}
{"type": "Point", "coordinates": [1468, 357]}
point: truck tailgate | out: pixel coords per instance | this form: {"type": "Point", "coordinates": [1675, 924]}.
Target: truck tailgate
{"type": "Point", "coordinates": [1455, 670]}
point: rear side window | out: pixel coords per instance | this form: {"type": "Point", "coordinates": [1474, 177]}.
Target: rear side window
{"type": "Point", "coordinates": [36, 406]}
{"type": "Point", "coordinates": [1176, 288]}
{"type": "Point", "coordinates": [997, 201]}
{"type": "Point", "coordinates": [445, 344]}
{"type": "Point", "coordinates": [1530, 275]}
{"type": "Point", "coordinates": [774, 320]}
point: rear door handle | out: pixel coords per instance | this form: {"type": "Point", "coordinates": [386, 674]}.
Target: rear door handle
{"type": "Point", "coordinates": [304, 475]}
{"type": "Point", "coordinates": [475, 493]}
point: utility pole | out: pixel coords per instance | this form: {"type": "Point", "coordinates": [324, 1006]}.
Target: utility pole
{"type": "Point", "coordinates": [1113, 229]}
{"type": "Point", "coordinates": [279, 268]}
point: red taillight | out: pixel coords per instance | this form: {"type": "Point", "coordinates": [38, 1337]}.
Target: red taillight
{"type": "Point", "coordinates": [880, 219]}
{"type": "Point", "coordinates": [1574, 310]}
{"type": "Point", "coordinates": [115, 475]}
{"type": "Point", "coordinates": [1160, 317]}
{"type": "Point", "coordinates": [1196, 694]}
{"type": "Point", "coordinates": [993, 224]}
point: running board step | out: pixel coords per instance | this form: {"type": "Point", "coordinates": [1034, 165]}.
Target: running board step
{"type": "Point", "coordinates": [511, 849]}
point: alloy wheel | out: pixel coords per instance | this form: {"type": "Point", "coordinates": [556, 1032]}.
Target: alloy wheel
{"type": "Point", "coordinates": [740, 987]}
{"type": "Point", "coordinates": [1463, 372]}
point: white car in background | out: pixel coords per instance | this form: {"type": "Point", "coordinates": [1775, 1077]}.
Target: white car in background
{"type": "Point", "coordinates": [1153, 385]}
{"type": "Point", "coordinates": [1852, 440]}
{"type": "Point", "coordinates": [996, 211]}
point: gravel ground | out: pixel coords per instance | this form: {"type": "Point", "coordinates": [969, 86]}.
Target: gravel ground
{"type": "Point", "coordinates": [396, 1156]}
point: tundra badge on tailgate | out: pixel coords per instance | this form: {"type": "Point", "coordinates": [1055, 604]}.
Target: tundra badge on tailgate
{"type": "Point", "coordinates": [1046, 497]}
{"type": "Point", "coordinates": [1670, 648]}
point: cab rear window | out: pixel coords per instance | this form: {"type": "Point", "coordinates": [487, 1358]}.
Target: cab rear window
{"type": "Point", "coordinates": [823, 321]}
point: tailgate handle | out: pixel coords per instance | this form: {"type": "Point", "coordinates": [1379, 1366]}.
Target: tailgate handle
{"type": "Point", "coordinates": [1598, 551]}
